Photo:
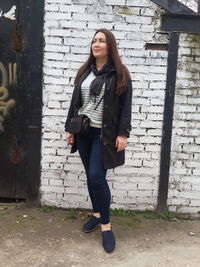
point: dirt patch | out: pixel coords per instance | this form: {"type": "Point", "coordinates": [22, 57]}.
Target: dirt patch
{"type": "Point", "coordinates": [38, 237]}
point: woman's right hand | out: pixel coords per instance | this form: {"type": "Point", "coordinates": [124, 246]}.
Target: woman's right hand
{"type": "Point", "coordinates": [70, 139]}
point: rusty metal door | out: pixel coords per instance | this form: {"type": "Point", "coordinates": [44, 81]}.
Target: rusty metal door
{"type": "Point", "coordinates": [12, 161]}
{"type": "Point", "coordinates": [21, 60]}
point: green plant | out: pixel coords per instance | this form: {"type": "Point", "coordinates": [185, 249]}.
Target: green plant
{"type": "Point", "coordinates": [4, 213]}
{"type": "Point", "coordinates": [72, 214]}
{"type": "Point", "coordinates": [150, 215]}
{"type": "Point", "coordinates": [46, 209]}
{"type": "Point", "coordinates": [121, 212]}
{"type": "Point", "coordinates": [168, 216]}
{"type": "Point", "coordinates": [133, 223]}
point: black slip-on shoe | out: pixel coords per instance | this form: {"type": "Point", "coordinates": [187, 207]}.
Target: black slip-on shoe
{"type": "Point", "coordinates": [91, 225]}
{"type": "Point", "coordinates": [108, 241]}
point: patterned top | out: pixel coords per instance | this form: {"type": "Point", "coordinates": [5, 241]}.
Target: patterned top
{"type": "Point", "coordinates": [89, 103]}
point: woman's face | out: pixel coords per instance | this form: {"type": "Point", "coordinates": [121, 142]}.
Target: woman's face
{"type": "Point", "coordinates": [99, 46]}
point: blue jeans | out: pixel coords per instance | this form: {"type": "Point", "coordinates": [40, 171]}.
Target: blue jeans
{"type": "Point", "coordinates": [90, 150]}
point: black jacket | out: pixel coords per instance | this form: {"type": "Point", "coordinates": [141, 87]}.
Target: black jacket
{"type": "Point", "coordinates": [116, 118]}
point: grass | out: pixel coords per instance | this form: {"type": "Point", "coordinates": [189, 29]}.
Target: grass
{"type": "Point", "coordinates": [150, 215]}
{"type": "Point", "coordinates": [122, 213]}
{"type": "Point", "coordinates": [72, 214]}
{"type": "Point", "coordinates": [47, 209]}
{"type": "Point", "coordinates": [4, 213]}
{"type": "Point", "coordinates": [133, 223]}
{"type": "Point", "coordinates": [168, 216]}
{"type": "Point", "coordinates": [4, 210]}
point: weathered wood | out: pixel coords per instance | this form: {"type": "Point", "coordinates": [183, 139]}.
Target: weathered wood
{"type": "Point", "coordinates": [31, 22]}
{"type": "Point", "coordinates": [180, 23]}
{"type": "Point", "coordinates": [21, 63]}
{"type": "Point", "coordinates": [167, 122]}
{"type": "Point", "coordinates": [174, 6]}
{"type": "Point", "coordinates": [12, 162]}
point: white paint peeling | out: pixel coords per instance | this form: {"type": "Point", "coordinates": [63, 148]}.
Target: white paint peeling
{"type": "Point", "coordinates": [10, 14]}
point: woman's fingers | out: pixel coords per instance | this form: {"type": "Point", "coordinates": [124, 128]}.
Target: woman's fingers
{"type": "Point", "coordinates": [116, 143]}
{"type": "Point", "coordinates": [121, 147]}
{"type": "Point", "coordinates": [70, 139]}
{"type": "Point", "coordinates": [121, 143]}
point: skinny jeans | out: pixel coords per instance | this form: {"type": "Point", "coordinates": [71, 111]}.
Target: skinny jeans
{"type": "Point", "coordinates": [90, 150]}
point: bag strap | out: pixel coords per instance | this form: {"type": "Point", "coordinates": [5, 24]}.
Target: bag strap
{"type": "Point", "coordinates": [104, 93]}
{"type": "Point", "coordinates": [99, 101]}
{"type": "Point", "coordinates": [78, 89]}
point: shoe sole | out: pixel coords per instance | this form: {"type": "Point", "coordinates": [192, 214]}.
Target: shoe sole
{"type": "Point", "coordinates": [109, 252]}
{"type": "Point", "coordinates": [89, 231]}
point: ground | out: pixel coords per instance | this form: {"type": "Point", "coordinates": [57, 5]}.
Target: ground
{"type": "Point", "coordinates": [46, 237]}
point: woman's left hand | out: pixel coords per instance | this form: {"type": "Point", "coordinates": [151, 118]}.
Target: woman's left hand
{"type": "Point", "coordinates": [121, 143]}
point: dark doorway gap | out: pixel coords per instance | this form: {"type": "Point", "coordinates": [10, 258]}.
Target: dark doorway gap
{"type": "Point", "coordinates": [155, 46]}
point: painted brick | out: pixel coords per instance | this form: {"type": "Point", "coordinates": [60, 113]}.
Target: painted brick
{"type": "Point", "coordinates": [50, 158]}
{"type": "Point", "coordinates": [53, 104]}
{"type": "Point", "coordinates": [68, 29]}
{"type": "Point", "coordinates": [140, 3]}
{"type": "Point", "coordinates": [55, 80]}
{"type": "Point", "coordinates": [53, 40]}
{"type": "Point", "coordinates": [72, 24]}
{"type": "Point", "coordinates": [57, 48]}
{"type": "Point", "coordinates": [56, 56]}
{"type": "Point", "coordinates": [51, 135]}
{"type": "Point", "coordinates": [51, 7]}
{"type": "Point", "coordinates": [56, 182]}
{"type": "Point", "coordinates": [96, 25]}
{"type": "Point", "coordinates": [85, 2]}
{"type": "Point", "coordinates": [119, 193]}
{"type": "Point", "coordinates": [85, 17]}
{"type": "Point", "coordinates": [59, 1]}
{"type": "Point", "coordinates": [100, 9]}
{"type": "Point", "coordinates": [57, 16]}
{"type": "Point", "coordinates": [115, 2]}
{"type": "Point", "coordinates": [49, 151]}
{"type": "Point", "coordinates": [139, 20]}
{"type": "Point", "coordinates": [53, 72]}
{"type": "Point", "coordinates": [59, 32]}
{"type": "Point", "coordinates": [52, 189]}
{"type": "Point", "coordinates": [51, 23]}
{"type": "Point", "coordinates": [72, 8]}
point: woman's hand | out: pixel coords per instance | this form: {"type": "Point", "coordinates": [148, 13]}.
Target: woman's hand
{"type": "Point", "coordinates": [70, 139]}
{"type": "Point", "coordinates": [121, 143]}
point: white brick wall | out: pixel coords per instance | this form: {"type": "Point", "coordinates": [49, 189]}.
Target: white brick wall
{"type": "Point", "coordinates": [184, 190]}
{"type": "Point", "coordinates": [69, 27]}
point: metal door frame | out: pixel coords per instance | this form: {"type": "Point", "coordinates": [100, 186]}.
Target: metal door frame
{"type": "Point", "coordinates": [30, 78]}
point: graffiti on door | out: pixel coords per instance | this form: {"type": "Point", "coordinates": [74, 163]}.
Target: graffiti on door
{"type": "Point", "coordinates": [8, 15]}
{"type": "Point", "coordinates": [6, 104]}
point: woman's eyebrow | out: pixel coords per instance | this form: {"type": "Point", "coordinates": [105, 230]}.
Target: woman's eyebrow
{"type": "Point", "coordinates": [101, 38]}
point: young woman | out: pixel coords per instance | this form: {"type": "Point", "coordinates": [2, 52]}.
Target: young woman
{"type": "Point", "coordinates": [103, 92]}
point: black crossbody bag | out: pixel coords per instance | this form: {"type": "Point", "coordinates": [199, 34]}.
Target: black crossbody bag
{"type": "Point", "coordinates": [79, 124]}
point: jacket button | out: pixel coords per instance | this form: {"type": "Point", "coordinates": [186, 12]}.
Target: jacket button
{"type": "Point", "coordinates": [105, 125]}
{"type": "Point", "coordinates": [106, 106]}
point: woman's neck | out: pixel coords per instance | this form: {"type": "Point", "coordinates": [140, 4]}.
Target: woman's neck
{"type": "Point", "coordinates": [100, 63]}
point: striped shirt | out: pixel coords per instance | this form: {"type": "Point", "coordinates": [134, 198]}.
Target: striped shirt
{"type": "Point", "coordinates": [89, 103]}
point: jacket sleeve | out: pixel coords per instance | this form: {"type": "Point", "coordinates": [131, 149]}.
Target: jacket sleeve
{"type": "Point", "coordinates": [70, 111]}
{"type": "Point", "coordinates": [125, 111]}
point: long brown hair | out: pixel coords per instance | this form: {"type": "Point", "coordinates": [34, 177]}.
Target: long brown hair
{"type": "Point", "coordinates": [123, 74]}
